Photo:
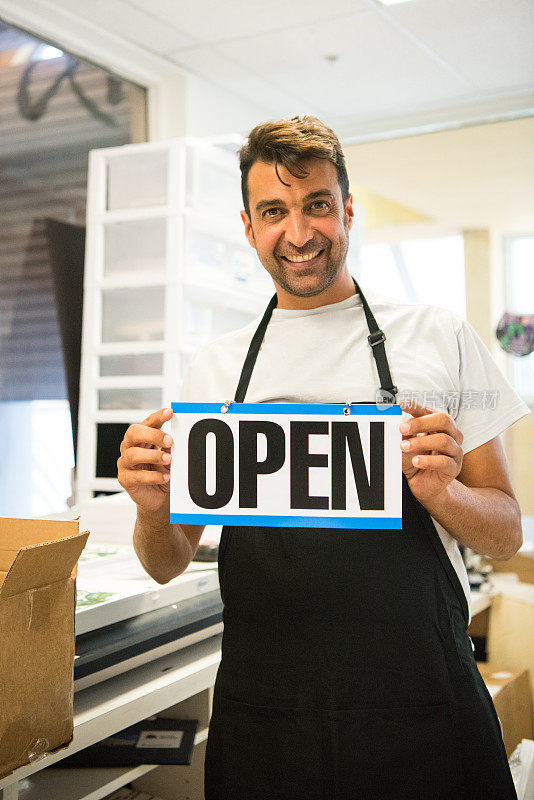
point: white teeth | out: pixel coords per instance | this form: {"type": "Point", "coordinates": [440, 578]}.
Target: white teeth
{"type": "Point", "coordinates": [296, 259]}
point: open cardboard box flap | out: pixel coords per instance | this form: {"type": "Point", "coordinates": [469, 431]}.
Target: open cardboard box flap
{"type": "Point", "coordinates": [38, 561]}
{"type": "Point", "coordinates": [42, 553]}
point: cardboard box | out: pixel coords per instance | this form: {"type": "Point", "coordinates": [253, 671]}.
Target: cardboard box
{"type": "Point", "coordinates": [510, 640]}
{"type": "Point", "coordinates": [510, 692]}
{"type": "Point", "coordinates": [478, 627]}
{"type": "Point", "coordinates": [522, 565]}
{"type": "Point", "coordinates": [38, 561]}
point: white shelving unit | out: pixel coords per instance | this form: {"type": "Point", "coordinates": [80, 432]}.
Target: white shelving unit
{"type": "Point", "coordinates": [167, 268]}
{"type": "Point", "coordinates": [178, 685]}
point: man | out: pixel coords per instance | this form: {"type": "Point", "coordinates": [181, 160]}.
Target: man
{"type": "Point", "coordinates": [346, 669]}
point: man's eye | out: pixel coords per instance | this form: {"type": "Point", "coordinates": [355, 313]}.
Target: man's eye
{"type": "Point", "coordinates": [266, 212]}
{"type": "Point", "coordinates": [322, 203]}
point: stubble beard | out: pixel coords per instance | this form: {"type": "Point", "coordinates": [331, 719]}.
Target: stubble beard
{"type": "Point", "coordinates": [299, 285]}
{"type": "Point", "coordinates": [308, 283]}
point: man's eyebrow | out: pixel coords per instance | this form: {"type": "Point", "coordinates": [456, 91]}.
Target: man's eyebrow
{"type": "Point", "coordinates": [311, 196]}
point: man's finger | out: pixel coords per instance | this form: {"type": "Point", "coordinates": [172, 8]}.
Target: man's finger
{"type": "Point", "coordinates": [135, 456]}
{"type": "Point", "coordinates": [432, 422]}
{"type": "Point", "coordinates": [442, 443]}
{"type": "Point", "coordinates": [158, 418]}
{"type": "Point", "coordinates": [442, 463]}
{"type": "Point", "coordinates": [142, 435]}
{"type": "Point", "coordinates": [133, 479]}
{"type": "Point", "coordinates": [415, 409]}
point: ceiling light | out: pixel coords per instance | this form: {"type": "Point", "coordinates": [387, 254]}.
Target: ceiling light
{"type": "Point", "coordinates": [44, 52]}
{"type": "Point", "coordinates": [393, 2]}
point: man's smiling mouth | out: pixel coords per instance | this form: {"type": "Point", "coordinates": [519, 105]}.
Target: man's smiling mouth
{"type": "Point", "coordinates": [300, 259]}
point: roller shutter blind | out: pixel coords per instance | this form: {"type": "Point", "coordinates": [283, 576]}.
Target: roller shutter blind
{"type": "Point", "coordinates": [43, 174]}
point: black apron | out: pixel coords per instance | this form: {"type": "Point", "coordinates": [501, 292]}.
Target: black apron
{"type": "Point", "coordinates": [346, 671]}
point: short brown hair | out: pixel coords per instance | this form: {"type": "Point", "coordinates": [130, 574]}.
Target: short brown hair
{"type": "Point", "coordinates": [290, 142]}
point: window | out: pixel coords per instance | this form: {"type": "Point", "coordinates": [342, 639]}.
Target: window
{"type": "Point", "coordinates": [519, 261]}
{"type": "Point", "coordinates": [418, 271]}
{"type": "Point", "coordinates": [55, 109]}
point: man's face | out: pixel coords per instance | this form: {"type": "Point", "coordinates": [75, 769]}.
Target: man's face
{"type": "Point", "coordinates": [305, 218]}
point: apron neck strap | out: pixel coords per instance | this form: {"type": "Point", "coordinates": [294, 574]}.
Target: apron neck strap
{"type": "Point", "coordinates": [376, 340]}
{"type": "Point", "coordinates": [253, 350]}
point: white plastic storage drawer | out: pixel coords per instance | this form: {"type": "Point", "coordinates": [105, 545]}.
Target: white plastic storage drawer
{"type": "Point", "coordinates": [214, 255]}
{"type": "Point", "coordinates": [134, 314]}
{"type": "Point", "coordinates": [137, 180]}
{"type": "Point", "coordinates": [135, 246]}
{"type": "Point", "coordinates": [131, 364]}
{"type": "Point", "coordinates": [201, 323]}
{"type": "Point", "coordinates": [212, 180]}
{"type": "Point", "coordinates": [128, 397]}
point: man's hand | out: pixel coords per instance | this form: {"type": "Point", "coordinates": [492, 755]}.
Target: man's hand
{"type": "Point", "coordinates": [432, 455]}
{"type": "Point", "coordinates": [144, 464]}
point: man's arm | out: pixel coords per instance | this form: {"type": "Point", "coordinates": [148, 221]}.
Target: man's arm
{"type": "Point", "coordinates": [479, 507]}
{"type": "Point", "coordinates": [471, 495]}
{"type": "Point", "coordinates": [164, 550]}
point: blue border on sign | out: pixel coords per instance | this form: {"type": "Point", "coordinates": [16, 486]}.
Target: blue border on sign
{"type": "Point", "coordinates": [236, 520]}
{"type": "Point", "coordinates": [356, 409]}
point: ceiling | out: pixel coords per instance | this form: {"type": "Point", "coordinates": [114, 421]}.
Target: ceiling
{"type": "Point", "coordinates": [363, 66]}
{"type": "Point", "coordinates": [350, 62]}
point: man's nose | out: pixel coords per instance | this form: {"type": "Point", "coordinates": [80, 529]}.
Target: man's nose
{"type": "Point", "coordinates": [298, 229]}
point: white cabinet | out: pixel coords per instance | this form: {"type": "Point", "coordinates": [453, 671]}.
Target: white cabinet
{"type": "Point", "coordinates": [167, 269]}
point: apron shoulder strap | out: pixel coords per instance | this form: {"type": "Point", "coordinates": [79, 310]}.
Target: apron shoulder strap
{"type": "Point", "coordinates": [376, 340]}
{"type": "Point", "coordinates": [253, 350]}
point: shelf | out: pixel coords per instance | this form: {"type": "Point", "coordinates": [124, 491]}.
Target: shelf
{"type": "Point", "coordinates": [479, 602]}
{"type": "Point", "coordinates": [78, 784]}
{"type": "Point", "coordinates": [119, 702]}
{"type": "Point", "coordinates": [84, 784]}
{"type": "Point", "coordinates": [106, 485]}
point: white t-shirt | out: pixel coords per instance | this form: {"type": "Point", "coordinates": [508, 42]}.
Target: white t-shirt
{"type": "Point", "coordinates": [322, 355]}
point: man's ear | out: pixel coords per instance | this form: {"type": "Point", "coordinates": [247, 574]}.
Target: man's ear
{"type": "Point", "coordinates": [349, 211]}
{"type": "Point", "coordinates": [249, 233]}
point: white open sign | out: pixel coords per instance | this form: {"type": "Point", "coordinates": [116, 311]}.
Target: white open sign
{"type": "Point", "coordinates": [289, 465]}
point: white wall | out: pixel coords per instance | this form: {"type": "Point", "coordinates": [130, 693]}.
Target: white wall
{"type": "Point", "coordinates": [211, 111]}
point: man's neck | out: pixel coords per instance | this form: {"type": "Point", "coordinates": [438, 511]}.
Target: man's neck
{"type": "Point", "coordinates": [341, 289]}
